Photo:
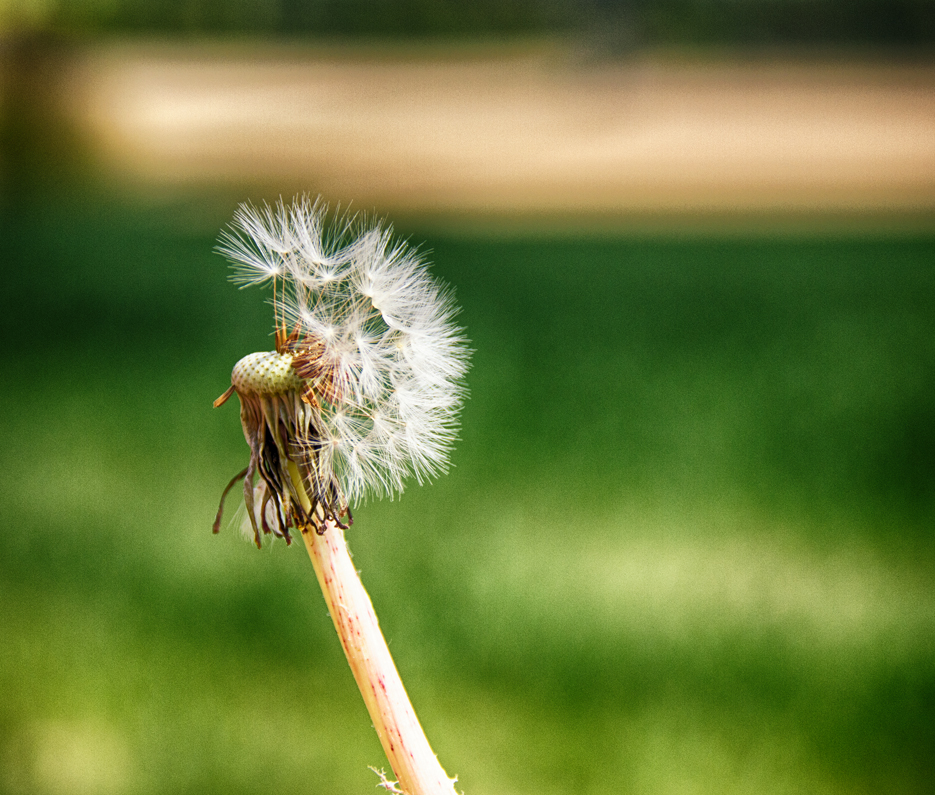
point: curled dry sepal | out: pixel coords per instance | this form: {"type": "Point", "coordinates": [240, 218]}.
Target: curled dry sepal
{"type": "Point", "coordinates": [366, 382]}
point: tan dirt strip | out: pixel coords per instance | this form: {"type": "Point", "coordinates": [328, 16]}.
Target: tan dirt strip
{"type": "Point", "coordinates": [521, 132]}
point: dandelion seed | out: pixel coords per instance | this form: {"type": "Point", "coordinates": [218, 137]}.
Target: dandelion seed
{"type": "Point", "coordinates": [365, 384]}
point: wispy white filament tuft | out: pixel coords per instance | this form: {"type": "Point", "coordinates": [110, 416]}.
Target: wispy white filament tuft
{"type": "Point", "coordinates": [387, 405]}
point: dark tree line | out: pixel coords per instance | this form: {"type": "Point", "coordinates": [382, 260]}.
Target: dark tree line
{"type": "Point", "coordinates": [631, 23]}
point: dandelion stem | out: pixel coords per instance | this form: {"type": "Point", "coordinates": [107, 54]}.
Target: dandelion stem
{"type": "Point", "coordinates": [404, 742]}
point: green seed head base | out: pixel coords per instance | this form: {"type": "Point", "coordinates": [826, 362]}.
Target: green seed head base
{"type": "Point", "coordinates": [265, 373]}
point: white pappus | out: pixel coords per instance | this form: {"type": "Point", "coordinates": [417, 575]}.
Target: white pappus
{"type": "Point", "coordinates": [366, 382]}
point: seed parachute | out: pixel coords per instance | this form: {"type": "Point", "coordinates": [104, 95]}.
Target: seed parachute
{"type": "Point", "coordinates": [365, 386]}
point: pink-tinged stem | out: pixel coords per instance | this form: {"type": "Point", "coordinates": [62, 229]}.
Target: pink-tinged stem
{"type": "Point", "coordinates": [401, 735]}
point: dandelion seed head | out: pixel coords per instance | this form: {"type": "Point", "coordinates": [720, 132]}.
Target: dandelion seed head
{"type": "Point", "coordinates": [364, 388]}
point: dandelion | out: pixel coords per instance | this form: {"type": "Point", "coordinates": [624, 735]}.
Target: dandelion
{"type": "Point", "coordinates": [361, 393]}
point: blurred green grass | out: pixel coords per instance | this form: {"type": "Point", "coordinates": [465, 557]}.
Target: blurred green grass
{"type": "Point", "coordinates": [686, 545]}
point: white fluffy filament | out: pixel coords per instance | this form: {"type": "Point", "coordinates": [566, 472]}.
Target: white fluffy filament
{"type": "Point", "coordinates": [393, 360]}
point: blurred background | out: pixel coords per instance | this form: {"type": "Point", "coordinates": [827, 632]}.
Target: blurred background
{"type": "Point", "coordinates": [687, 542]}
